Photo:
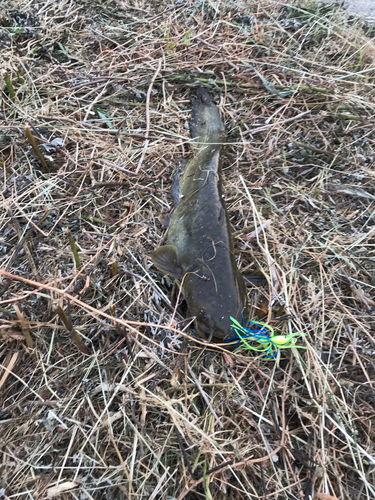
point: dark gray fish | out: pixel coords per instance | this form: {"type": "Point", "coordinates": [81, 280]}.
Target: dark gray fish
{"type": "Point", "coordinates": [199, 251]}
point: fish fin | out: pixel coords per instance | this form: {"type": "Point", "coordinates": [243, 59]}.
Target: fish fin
{"type": "Point", "coordinates": [165, 219]}
{"type": "Point", "coordinates": [204, 96]}
{"type": "Point", "coordinates": [254, 279]}
{"type": "Point", "coordinates": [176, 187]}
{"type": "Point", "coordinates": [205, 124]}
{"type": "Point", "coordinates": [202, 101]}
{"type": "Point", "coordinates": [165, 259]}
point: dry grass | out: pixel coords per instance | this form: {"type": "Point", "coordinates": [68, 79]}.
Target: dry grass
{"type": "Point", "coordinates": [101, 396]}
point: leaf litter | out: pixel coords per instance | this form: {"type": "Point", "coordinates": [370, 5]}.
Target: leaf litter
{"type": "Point", "coordinates": [105, 391]}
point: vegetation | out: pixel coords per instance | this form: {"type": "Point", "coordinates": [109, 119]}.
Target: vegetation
{"type": "Point", "coordinates": [105, 391]}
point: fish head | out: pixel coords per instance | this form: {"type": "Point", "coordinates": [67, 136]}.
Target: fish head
{"type": "Point", "coordinates": [212, 317]}
{"type": "Point", "coordinates": [210, 327]}
{"type": "Point", "coordinates": [214, 295]}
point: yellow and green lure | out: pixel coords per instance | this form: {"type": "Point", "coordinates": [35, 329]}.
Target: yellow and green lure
{"type": "Point", "coordinates": [264, 336]}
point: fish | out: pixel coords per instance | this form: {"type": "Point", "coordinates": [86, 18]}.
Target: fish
{"type": "Point", "coordinates": [199, 246]}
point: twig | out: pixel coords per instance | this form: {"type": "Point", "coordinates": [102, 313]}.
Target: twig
{"type": "Point", "coordinates": [148, 116]}
{"type": "Point", "coordinates": [9, 85]}
{"type": "Point", "coordinates": [234, 466]}
{"type": "Point", "coordinates": [67, 321]}
{"type": "Point", "coordinates": [281, 122]}
{"type": "Point", "coordinates": [8, 368]}
{"type": "Point", "coordinates": [24, 326]}
{"type": "Point", "coordinates": [73, 246]}
{"type": "Point", "coordinates": [34, 145]}
{"type": "Point", "coordinates": [96, 312]}
{"type": "Point", "coordinates": [204, 396]}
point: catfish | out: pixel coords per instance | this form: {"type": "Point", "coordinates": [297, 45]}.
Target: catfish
{"type": "Point", "coordinates": [199, 251]}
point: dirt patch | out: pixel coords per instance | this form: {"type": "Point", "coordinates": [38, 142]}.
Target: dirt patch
{"type": "Point", "coordinates": [365, 8]}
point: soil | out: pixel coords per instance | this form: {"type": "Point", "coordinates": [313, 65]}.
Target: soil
{"type": "Point", "coordinates": [365, 8]}
{"type": "Point", "coordinates": [106, 392]}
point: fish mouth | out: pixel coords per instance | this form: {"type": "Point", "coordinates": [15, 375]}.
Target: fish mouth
{"type": "Point", "coordinates": [209, 333]}
{"type": "Point", "coordinates": [204, 331]}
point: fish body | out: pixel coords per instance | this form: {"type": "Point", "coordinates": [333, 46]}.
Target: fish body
{"type": "Point", "coordinates": [199, 251]}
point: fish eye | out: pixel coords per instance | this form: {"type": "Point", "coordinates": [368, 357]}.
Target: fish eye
{"type": "Point", "coordinates": [206, 317]}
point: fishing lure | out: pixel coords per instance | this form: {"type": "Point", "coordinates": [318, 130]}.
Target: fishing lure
{"type": "Point", "coordinates": [264, 336]}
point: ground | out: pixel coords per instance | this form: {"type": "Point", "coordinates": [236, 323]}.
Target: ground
{"type": "Point", "coordinates": [106, 392]}
{"type": "Point", "coordinates": [365, 8]}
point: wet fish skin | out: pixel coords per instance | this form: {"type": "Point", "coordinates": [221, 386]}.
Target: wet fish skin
{"type": "Point", "coordinates": [199, 250]}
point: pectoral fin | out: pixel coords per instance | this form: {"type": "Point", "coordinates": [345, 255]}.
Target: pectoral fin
{"type": "Point", "coordinates": [165, 259]}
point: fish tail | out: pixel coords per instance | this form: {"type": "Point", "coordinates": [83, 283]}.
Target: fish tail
{"type": "Point", "coordinates": [204, 96]}
{"type": "Point", "coordinates": [205, 124]}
